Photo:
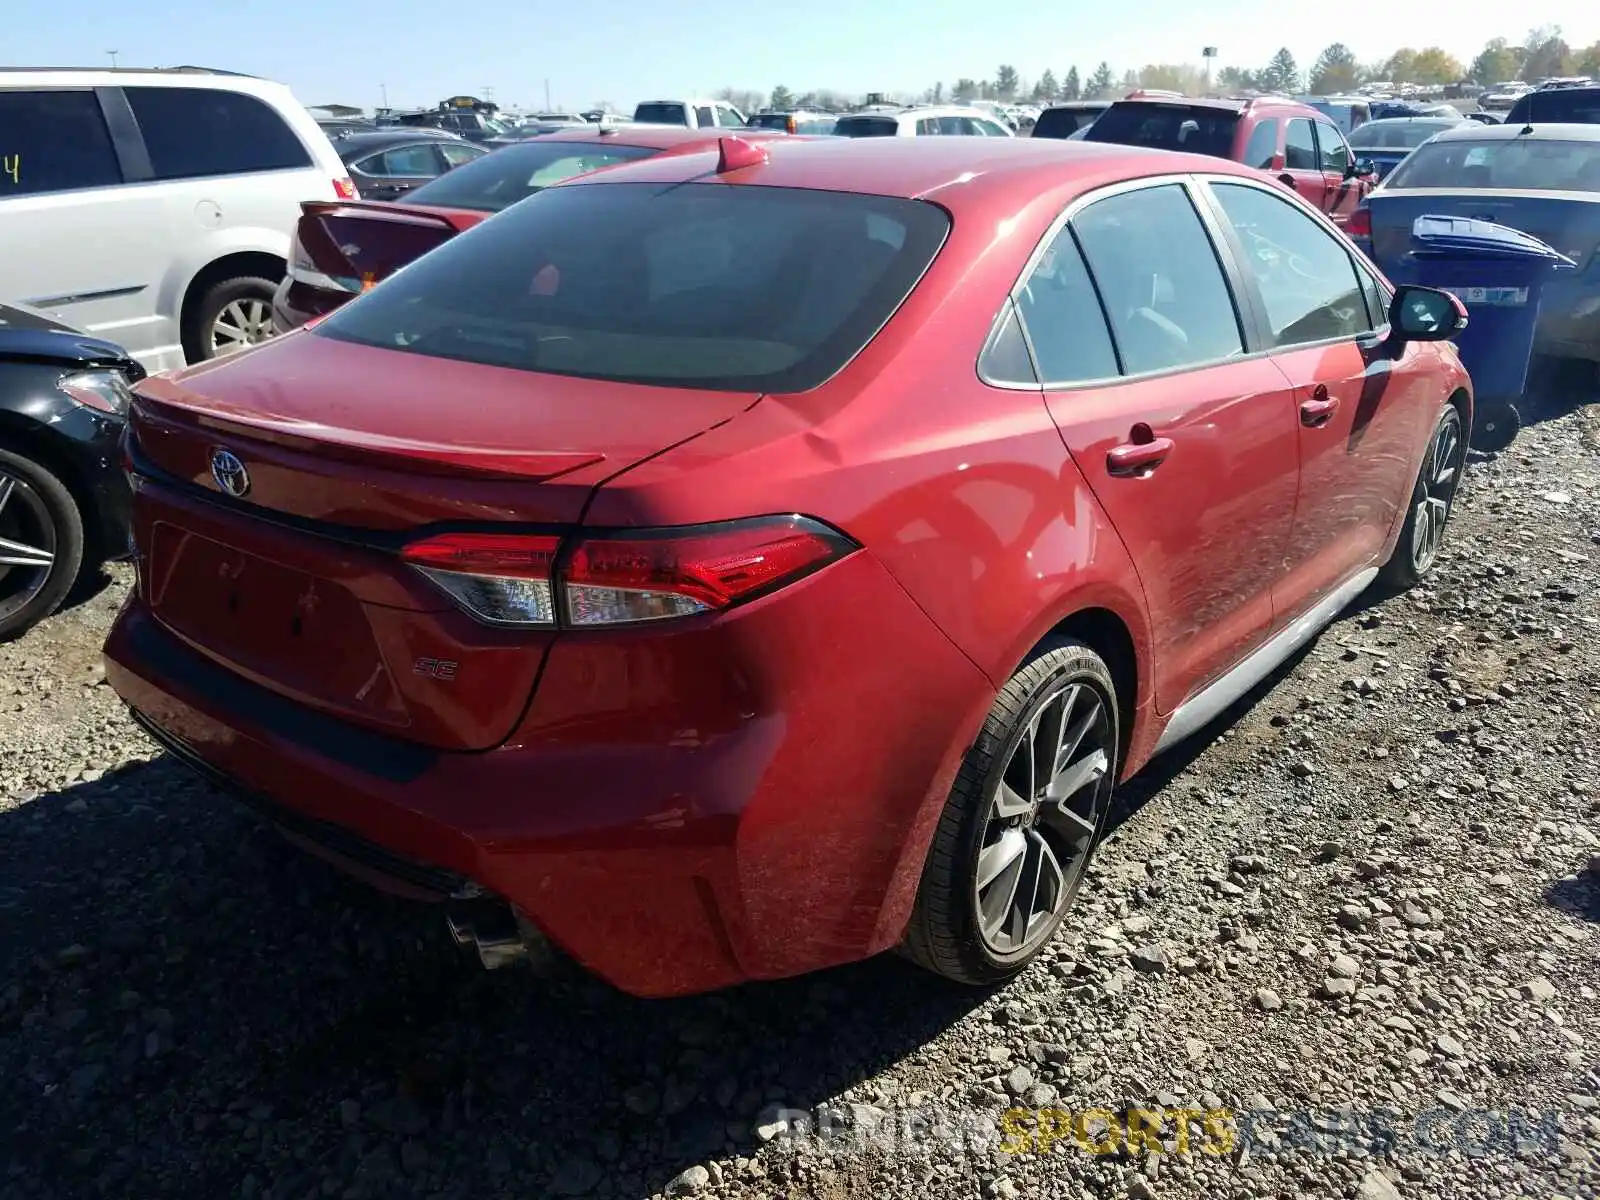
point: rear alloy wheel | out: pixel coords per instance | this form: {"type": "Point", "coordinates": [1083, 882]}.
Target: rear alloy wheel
{"type": "Point", "coordinates": [41, 543]}
{"type": "Point", "coordinates": [232, 316]}
{"type": "Point", "coordinates": [1022, 820]}
{"type": "Point", "coordinates": [1432, 500]}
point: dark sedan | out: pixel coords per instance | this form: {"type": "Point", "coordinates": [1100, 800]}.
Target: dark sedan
{"type": "Point", "coordinates": [386, 164]}
{"type": "Point", "coordinates": [63, 499]}
{"type": "Point", "coordinates": [1386, 142]}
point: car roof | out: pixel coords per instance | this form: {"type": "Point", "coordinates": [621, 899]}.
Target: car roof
{"type": "Point", "coordinates": [1078, 105]}
{"type": "Point", "coordinates": [651, 137]}
{"type": "Point", "coordinates": [373, 139]}
{"type": "Point", "coordinates": [958, 173]}
{"type": "Point", "coordinates": [1554, 131]}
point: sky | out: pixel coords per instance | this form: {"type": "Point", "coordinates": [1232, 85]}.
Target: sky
{"type": "Point", "coordinates": [417, 52]}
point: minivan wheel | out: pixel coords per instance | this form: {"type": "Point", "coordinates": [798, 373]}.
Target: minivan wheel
{"type": "Point", "coordinates": [41, 543]}
{"type": "Point", "coordinates": [1432, 501]}
{"type": "Point", "coordinates": [232, 315]}
{"type": "Point", "coordinates": [1022, 820]}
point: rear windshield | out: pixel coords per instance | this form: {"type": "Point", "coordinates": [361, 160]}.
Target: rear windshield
{"type": "Point", "coordinates": [1401, 135]}
{"type": "Point", "coordinates": [1525, 164]}
{"type": "Point", "coordinates": [1062, 122]}
{"type": "Point", "coordinates": [499, 180]}
{"type": "Point", "coordinates": [1577, 106]}
{"type": "Point", "coordinates": [750, 289]}
{"type": "Point", "coordinates": [866, 127]}
{"type": "Point", "coordinates": [1194, 130]}
{"type": "Point", "coordinates": [770, 121]}
{"type": "Point", "coordinates": [661, 114]}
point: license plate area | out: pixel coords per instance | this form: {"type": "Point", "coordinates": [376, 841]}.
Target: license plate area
{"type": "Point", "coordinates": [1494, 297]}
{"type": "Point", "coordinates": [289, 630]}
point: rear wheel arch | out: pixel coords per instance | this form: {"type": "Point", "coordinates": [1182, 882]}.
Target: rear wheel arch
{"type": "Point", "coordinates": [1106, 633]}
{"type": "Point", "coordinates": [244, 264]}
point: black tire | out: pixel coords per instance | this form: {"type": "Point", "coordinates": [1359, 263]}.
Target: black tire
{"type": "Point", "coordinates": [199, 329]}
{"type": "Point", "coordinates": [943, 935]}
{"type": "Point", "coordinates": [1496, 427]}
{"type": "Point", "coordinates": [44, 508]}
{"type": "Point", "coordinates": [1408, 565]}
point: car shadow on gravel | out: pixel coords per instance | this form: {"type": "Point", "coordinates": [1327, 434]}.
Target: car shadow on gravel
{"type": "Point", "coordinates": [193, 1006]}
{"type": "Point", "coordinates": [188, 1001]}
{"type": "Point", "coordinates": [1557, 387]}
{"type": "Point", "coordinates": [1578, 895]}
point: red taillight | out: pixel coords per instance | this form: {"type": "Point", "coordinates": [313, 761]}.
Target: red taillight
{"type": "Point", "coordinates": [344, 189]}
{"type": "Point", "coordinates": [676, 573]}
{"type": "Point", "coordinates": [1359, 224]}
{"type": "Point", "coordinates": [500, 578]}
{"type": "Point", "coordinates": [623, 578]}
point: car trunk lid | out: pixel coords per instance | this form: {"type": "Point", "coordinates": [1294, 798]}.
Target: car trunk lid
{"type": "Point", "coordinates": [349, 451]}
{"type": "Point", "coordinates": [1566, 222]}
{"type": "Point", "coordinates": [357, 244]}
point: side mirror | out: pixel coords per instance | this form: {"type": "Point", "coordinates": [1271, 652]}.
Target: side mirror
{"type": "Point", "coordinates": [1423, 314]}
{"type": "Point", "coordinates": [1362, 168]}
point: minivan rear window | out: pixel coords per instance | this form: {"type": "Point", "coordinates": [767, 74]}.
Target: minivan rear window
{"type": "Point", "coordinates": [661, 114]}
{"type": "Point", "coordinates": [679, 285]}
{"type": "Point", "coordinates": [500, 179]}
{"type": "Point", "coordinates": [867, 127]}
{"type": "Point", "coordinates": [1063, 122]}
{"type": "Point", "coordinates": [1193, 129]}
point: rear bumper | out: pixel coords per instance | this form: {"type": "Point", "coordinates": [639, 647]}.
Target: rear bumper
{"type": "Point", "coordinates": [295, 303]}
{"type": "Point", "coordinates": [1569, 320]}
{"type": "Point", "coordinates": [750, 798]}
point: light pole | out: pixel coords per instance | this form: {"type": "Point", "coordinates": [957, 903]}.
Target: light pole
{"type": "Point", "coordinates": [113, 54]}
{"type": "Point", "coordinates": [383, 89]}
{"type": "Point", "coordinates": [1208, 53]}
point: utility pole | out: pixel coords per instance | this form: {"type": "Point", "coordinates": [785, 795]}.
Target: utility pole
{"type": "Point", "coordinates": [1209, 53]}
{"type": "Point", "coordinates": [113, 54]}
{"type": "Point", "coordinates": [547, 95]}
{"type": "Point", "coordinates": [383, 89]}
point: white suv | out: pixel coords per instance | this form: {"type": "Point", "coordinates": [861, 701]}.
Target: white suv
{"type": "Point", "coordinates": [154, 208]}
{"type": "Point", "coordinates": [922, 121]}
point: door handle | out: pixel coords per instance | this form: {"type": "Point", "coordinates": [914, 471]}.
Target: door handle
{"type": "Point", "coordinates": [1138, 458]}
{"type": "Point", "coordinates": [1318, 411]}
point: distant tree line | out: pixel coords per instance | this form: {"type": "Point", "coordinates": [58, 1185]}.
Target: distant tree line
{"type": "Point", "coordinates": [1544, 53]}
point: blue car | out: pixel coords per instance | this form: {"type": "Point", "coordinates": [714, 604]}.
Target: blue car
{"type": "Point", "coordinates": [1386, 143]}
{"type": "Point", "coordinates": [1543, 180]}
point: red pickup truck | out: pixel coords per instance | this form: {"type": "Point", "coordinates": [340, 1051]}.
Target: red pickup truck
{"type": "Point", "coordinates": [1290, 140]}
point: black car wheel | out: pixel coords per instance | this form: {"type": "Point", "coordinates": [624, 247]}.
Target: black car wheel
{"type": "Point", "coordinates": [1022, 820]}
{"type": "Point", "coordinates": [233, 315]}
{"type": "Point", "coordinates": [41, 543]}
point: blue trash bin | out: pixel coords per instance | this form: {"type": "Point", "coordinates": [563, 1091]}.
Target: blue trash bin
{"type": "Point", "coordinates": [1498, 273]}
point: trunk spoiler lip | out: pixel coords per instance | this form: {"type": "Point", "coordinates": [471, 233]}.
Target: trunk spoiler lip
{"type": "Point", "coordinates": [413, 456]}
{"type": "Point", "coordinates": [457, 220]}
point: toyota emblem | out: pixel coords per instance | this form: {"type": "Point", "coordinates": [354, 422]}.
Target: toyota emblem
{"type": "Point", "coordinates": [229, 472]}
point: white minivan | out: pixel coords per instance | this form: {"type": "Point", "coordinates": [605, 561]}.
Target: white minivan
{"type": "Point", "coordinates": [155, 207]}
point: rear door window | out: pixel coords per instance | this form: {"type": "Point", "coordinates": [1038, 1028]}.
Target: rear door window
{"type": "Point", "coordinates": [677, 285]}
{"type": "Point", "coordinates": [1299, 146]}
{"type": "Point", "coordinates": [1062, 314]}
{"type": "Point", "coordinates": [53, 142]}
{"type": "Point", "coordinates": [1262, 148]}
{"type": "Point", "coordinates": [1193, 129]}
{"type": "Point", "coordinates": [404, 161]}
{"type": "Point", "coordinates": [193, 133]}
{"type": "Point", "coordinates": [1160, 280]}
{"type": "Point", "coordinates": [704, 118]}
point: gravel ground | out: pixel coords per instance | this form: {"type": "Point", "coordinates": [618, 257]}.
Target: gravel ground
{"type": "Point", "coordinates": [1376, 893]}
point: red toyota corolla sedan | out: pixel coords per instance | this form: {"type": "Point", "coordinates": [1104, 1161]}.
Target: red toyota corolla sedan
{"type": "Point", "coordinates": [342, 248]}
{"type": "Point", "coordinates": [736, 563]}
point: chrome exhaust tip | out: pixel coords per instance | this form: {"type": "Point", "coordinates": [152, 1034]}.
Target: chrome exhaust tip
{"type": "Point", "coordinates": [494, 931]}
